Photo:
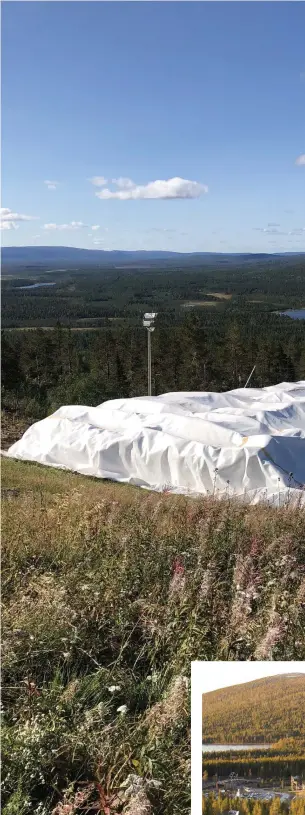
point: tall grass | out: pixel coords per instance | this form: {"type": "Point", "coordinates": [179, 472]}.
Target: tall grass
{"type": "Point", "coordinates": [108, 594]}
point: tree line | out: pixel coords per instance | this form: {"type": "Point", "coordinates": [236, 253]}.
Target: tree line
{"type": "Point", "coordinates": [99, 294]}
{"type": "Point", "coordinates": [223, 805]}
{"type": "Point", "coordinates": [264, 766]}
{"type": "Point", "coordinates": [42, 370]}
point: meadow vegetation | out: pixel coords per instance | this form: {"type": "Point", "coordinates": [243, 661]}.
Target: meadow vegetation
{"type": "Point", "coordinates": [108, 594]}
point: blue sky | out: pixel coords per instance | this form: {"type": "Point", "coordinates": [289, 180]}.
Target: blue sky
{"type": "Point", "coordinates": [207, 98]}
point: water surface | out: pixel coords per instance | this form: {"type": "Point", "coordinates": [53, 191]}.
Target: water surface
{"type": "Point", "coordinates": [221, 748]}
{"type": "Point", "coordinates": [299, 314]}
{"type": "Point", "coordinates": [36, 285]}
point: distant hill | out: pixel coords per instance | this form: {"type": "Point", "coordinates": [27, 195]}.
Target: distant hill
{"type": "Point", "coordinates": [47, 254]}
{"type": "Point", "coordinates": [16, 256]}
{"type": "Point", "coordinates": [263, 710]}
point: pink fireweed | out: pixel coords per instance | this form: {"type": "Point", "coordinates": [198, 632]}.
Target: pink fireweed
{"type": "Point", "coordinates": [273, 636]}
{"type": "Point", "coordinates": [178, 581]}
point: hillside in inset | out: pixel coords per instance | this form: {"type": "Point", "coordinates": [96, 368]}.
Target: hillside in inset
{"type": "Point", "coordinates": [263, 710]}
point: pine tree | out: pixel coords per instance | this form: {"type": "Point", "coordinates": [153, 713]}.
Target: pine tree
{"type": "Point", "coordinates": [234, 356]}
{"type": "Point", "coordinates": [122, 384]}
{"type": "Point", "coordinates": [275, 808]}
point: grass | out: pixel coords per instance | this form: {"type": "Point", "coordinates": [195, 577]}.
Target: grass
{"type": "Point", "coordinates": [193, 303]}
{"type": "Point", "coordinates": [108, 594]}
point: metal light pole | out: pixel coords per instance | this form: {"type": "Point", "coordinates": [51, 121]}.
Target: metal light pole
{"type": "Point", "coordinates": [148, 323]}
{"type": "Point", "coordinates": [149, 361]}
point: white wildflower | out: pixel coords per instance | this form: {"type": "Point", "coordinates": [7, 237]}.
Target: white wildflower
{"type": "Point", "coordinates": [122, 709]}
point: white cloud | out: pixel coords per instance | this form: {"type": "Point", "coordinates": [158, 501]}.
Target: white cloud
{"type": "Point", "coordinates": [172, 188]}
{"type": "Point", "coordinates": [300, 161]}
{"type": "Point", "coordinates": [72, 225]}
{"type": "Point", "coordinates": [160, 229]}
{"type": "Point", "coordinates": [51, 185]}
{"type": "Point", "coordinates": [96, 226]}
{"type": "Point", "coordinates": [98, 241]}
{"type": "Point", "coordinates": [270, 230]}
{"type": "Point", "coordinates": [8, 219]}
{"type": "Point", "coordinates": [98, 180]}
{"type": "Point", "coordinates": [123, 183]}
{"type": "Point", "coordinates": [8, 225]}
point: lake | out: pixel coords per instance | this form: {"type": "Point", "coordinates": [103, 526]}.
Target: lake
{"type": "Point", "coordinates": [212, 748]}
{"type": "Point", "coordinates": [295, 315]}
{"type": "Point", "coordinates": [36, 285]}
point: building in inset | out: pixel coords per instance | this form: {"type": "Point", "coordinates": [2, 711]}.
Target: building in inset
{"type": "Point", "coordinates": [297, 783]}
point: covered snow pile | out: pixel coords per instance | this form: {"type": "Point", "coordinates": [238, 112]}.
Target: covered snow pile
{"type": "Point", "coordinates": [244, 442]}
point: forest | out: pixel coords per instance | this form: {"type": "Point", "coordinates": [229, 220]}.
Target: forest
{"type": "Point", "coordinates": [41, 370]}
{"type": "Point", "coordinates": [222, 805]}
{"type": "Point", "coordinates": [264, 766]}
{"type": "Point", "coordinates": [266, 710]}
{"type": "Point", "coordinates": [97, 348]}
{"type": "Point", "coordinates": [90, 297]}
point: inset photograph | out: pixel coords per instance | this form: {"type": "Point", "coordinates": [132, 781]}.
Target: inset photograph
{"type": "Point", "coordinates": [252, 738]}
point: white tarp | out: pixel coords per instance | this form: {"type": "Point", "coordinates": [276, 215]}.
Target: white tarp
{"type": "Point", "coordinates": [248, 442]}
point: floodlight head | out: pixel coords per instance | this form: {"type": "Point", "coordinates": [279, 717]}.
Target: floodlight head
{"type": "Point", "coordinates": [150, 315]}
{"type": "Point", "coordinates": [148, 320]}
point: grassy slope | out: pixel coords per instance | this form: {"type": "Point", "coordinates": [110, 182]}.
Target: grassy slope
{"type": "Point", "coordinates": [267, 709]}
{"type": "Point", "coordinates": [107, 586]}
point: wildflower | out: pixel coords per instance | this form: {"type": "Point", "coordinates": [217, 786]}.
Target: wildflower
{"type": "Point", "coordinates": [206, 583]}
{"type": "Point", "coordinates": [152, 677]}
{"type": "Point", "coordinates": [177, 584]}
{"type": "Point", "coordinates": [301, 593]}
{"type": "Point", "coordinates": [132, 784]}
{"type": "Point", "coordinates": [113, 688]}
{"type": "Point", "coordinates": [255, 546]}
{"type": "Point", "coordinates": [81, 796]}
{"type": "Point", "coordinates": [178, 567]}
{"type": "Point", "coordinates": [139, 804]}
{"type": "Point", "coordinates": [122, 709]}
{"type": "Point", "coordinates": [273, 636]}
{"type": "Point", "coordinates": [172, 709]}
